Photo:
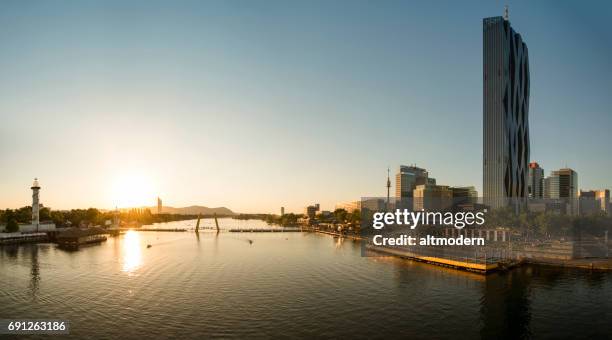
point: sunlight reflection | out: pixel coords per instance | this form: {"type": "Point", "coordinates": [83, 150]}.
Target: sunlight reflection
{"type": "Point", "coordinates": [132, 252]}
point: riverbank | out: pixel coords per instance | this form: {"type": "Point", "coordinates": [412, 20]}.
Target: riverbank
{"type": "Point", "coordinates": [19, 238]}
{"type": "Point", "coordinates": [486, 267]}
{"type": "Point", "coordinates": [482, 267]}
{"type": "Point", "coordinates": [591, 264]}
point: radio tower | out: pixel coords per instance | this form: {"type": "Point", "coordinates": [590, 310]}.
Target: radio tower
{"type": "Point", "coordinates": [388, 188]}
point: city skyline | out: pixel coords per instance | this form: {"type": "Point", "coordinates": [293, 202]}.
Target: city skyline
{"type": "Point", "coordinates": [113, 110]}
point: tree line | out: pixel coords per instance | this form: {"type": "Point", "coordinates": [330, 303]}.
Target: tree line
{"type": "Point", "coordinates": [546, 224]}
{"type": "Point", "coordinates": [79, 217]}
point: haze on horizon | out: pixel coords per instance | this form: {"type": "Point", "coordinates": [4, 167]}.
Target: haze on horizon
{"type": "Point", "coordinates": [257, 105]}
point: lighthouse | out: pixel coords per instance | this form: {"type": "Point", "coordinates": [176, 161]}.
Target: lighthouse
{"type": "Point", "coordinates": [35, 204]}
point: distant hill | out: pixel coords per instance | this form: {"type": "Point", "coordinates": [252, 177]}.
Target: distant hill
{"type": "Point", "coordinates": [194, 210]}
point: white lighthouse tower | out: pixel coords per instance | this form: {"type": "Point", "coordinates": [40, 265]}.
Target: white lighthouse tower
{"type": "Point", "coordinates": [35, 204]}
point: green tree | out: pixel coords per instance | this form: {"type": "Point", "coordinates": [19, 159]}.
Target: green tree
{"type": "Point", "coordinates": [355, 217]}
{"type": "Point", "coordinates": [45, 214]}
{"type": "Point", "coordinates": [340, 215]}
{"type": "Point", "coordinates": [12, 226]}
{"type": "Point", "coordinates": [23, 215]}
{"type": "Point", "coordinates": [543, 223]}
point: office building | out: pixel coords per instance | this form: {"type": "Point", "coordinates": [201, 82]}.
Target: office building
{"type": "Point", "coordinates": [562, 185]}
{"type": "Point", "coordinates": [431, 197]}
{"type": "Point", "coordinates": [463, 195]}
{"type": "Point", "coordinates": [408, 177]}
{"type": "Point", "coordinates": [311, 211]}
{"type": "Point", "coordinates": [594, 202]}
{"type": "Point", "coordinates": [370, 204]}
{"type": "Point", "coordinates": [535, 181]}
{"type": "Point", "coordinates": [505, 112]}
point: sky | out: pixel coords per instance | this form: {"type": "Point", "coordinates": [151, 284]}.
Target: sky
{"type": "Point", "coordinates": [254, 105]}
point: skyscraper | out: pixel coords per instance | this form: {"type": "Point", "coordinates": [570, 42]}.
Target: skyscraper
{"type": "Point", "coordinates": [562, 183]}
{"type": "Point", "coordinates": [536, 181]}
{"type": "Point", "coordinates": [505, 112]}
{"type": "Point", "coordinates": [159, 205]}
{"type": "Point", "coordinates": [407, 178]}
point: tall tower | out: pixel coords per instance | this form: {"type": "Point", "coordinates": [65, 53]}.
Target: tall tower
{"type": "Point", "coordinates": [35, 204]}
{"type": "Point", "coordinates": [159, 205]}
{"type": "Point", "coordinates": [388, 188]}
{"type": "Point", "coordinates": [536, 181]}
{"type": "Point", "coordinates": [505, 112]}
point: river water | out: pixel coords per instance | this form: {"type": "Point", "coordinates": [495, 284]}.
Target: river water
{"type": "Point", "coordinates": [287, 285]}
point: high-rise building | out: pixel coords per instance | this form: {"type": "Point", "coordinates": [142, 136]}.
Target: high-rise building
{"type": "Point", "coordinates": [562, 185]}
{"type": "Point", "coordinates": [282, 211]}
{"type": "Point", "coordinates": [594, 201]}
{"type": "Point", "coordinates": [408, 177]}
{"type": "Point", "coordinates": [431, 197]}
{"type": "Point", "coordinates": [505, 112]}
{"type": "Point", "coordinates": [159, 205]}
{"type": "Point", "coordinates": [311, 210]}
{"type": "Point", "coordinates": [464, 194]}
{"type": "Point", "coordinates": [536, 181]}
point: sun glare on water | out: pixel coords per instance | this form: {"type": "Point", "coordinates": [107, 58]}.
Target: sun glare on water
{"type": "Point", "coordinates": [132, 252]}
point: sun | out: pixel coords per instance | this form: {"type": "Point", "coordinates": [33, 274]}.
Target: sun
{"type": "Point", "coordinates": [133, 191]}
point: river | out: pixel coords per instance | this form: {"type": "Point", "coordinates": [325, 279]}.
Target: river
{"type": "Point", "coordinates": [287, 285]}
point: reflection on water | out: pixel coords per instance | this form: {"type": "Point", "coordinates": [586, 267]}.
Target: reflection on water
{"type": "Point", "coordinates": [131, 252]}
{"type": "Point", "coordinates": [34, 272]}
{"type": "Point", "coordinates": [288, 285]}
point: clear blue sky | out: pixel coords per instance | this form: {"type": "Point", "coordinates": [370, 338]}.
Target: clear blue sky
{"type": "Point", "coordinates": [258, 104]}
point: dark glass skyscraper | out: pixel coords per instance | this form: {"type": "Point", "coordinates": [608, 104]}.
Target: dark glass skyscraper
{"type": "Point", "coordinates": [505, 112]}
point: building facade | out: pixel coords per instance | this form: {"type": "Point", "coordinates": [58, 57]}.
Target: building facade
{"type": "Point", "coordinates": [311, 211]}
{"type": "Point", "coordinates": [594, 202]}
{"type": "Point", "coordinates": [464, 194]}
{"type": "Point", "coordinates": [562, 186]}
{"type": "Point", "coordinates": [536, 181]}
{"type": "Point", "coordinates": [562, 183]}
{"type": "Point", "coordinates": [505, 112]}
{"type": "Point", "coordinates": [408, 177]}
{"type": "Point", "coordinates": [431, 197]}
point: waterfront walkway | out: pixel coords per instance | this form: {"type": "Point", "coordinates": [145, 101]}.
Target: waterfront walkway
{"type": "Point", "coordinates": [592, 264]}
{"type": "Point", "coordinates": [483, 267]}
{"type": "Point", "coordinates": [15, 238]}
{"type": "Point", "coordinates": [265, 230]}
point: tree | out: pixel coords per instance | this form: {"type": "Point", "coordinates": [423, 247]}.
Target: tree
{"type": "Point", "coordinates": [543, 223]}
{"type": "Point", "coordinates": [340, 215]}
{"type": "Point", "coordinates": [12, 226]}
{"type": "Point", "coordinates": [355, 217]}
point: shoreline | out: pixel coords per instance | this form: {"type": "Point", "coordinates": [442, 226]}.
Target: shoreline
{"type": "Point", "coordinates": [595, 264]}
